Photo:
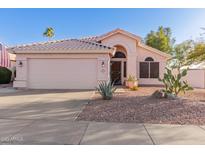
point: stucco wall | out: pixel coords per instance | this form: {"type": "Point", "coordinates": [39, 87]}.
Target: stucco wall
{"type": "Point", "coordinates": [130, 45]}
{"type": "Point", "coordinates": [196, 78]}
{"type": "Point", "coordinates": [21, 79]}
{"type": "Point", "coordinates": [142, 55]}
{"type": "Point", "coordinates": [136, 54]}
{"type": "Point", "coordinates": [13, 64]}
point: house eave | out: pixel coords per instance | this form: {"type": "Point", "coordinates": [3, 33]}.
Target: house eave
{"type": "Point", "coordinates": [111, 52]}
{"type": "Point", "coordinates": [119, 31]}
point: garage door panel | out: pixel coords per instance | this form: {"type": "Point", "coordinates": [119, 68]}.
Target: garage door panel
{"type": "Point", "coordinates": [62, 73]}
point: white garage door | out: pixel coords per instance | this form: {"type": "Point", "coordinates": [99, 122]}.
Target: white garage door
{"type": "Point", "coordinates": [62, 73]}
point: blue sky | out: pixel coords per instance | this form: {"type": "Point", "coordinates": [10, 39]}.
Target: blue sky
{"type": "Point", "coordinates": [20, 26]}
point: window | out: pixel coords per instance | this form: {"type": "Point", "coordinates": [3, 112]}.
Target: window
{"type": "Point", "coordinates": [149, 59]}
{"type": "Point", "coordinates": [154, 70]}
{"type": "Point", "coordinates": [144, 70]}
{"type": "Point", "coordinates": [119, 54]}
{"type": "Point", "coordinates": [149, 68]}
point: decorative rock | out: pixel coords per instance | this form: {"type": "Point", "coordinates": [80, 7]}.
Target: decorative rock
{"type": "Point", "coordinates": [158, 94]}
{"type": "Point", "coordinates": [171, 96]}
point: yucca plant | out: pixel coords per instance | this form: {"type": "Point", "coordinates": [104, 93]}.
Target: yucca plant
{"type": "Point", "coordinates": [106, 89]}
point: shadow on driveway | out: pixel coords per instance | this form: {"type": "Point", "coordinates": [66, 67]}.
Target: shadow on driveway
{"type": "Point", "coordinates": [43, 104]}
{"type": "Point", "coordinates": [9, 91]}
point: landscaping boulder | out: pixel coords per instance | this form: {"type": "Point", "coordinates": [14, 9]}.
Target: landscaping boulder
{"type": "Point", "coordinates": [161, 94]}
{"type": "Point", "coordinates": [171, 96]}
{"type": "Point", "coordinates": [158, 94]}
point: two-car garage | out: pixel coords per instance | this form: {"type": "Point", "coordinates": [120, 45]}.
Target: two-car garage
{"type": "Point", "coordinates": [62, 73]}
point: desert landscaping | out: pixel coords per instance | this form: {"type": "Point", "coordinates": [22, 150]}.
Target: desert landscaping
{"type": "Point", "coordinates": [140, 107]}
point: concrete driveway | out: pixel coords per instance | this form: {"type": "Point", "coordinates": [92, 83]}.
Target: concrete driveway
{"type": "Point", "coordinates": [48, 117]}
{"type": "Point", "coordinates": [41, 116]}
{"type": "Point", "coordinates": [43, 104]}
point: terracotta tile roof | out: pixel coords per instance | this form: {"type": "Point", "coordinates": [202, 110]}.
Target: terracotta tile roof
{"type": "Point", "coordinates": [140, 43]}
{"type": "Point", "coordinates": [91, 38]}
{"type": "Point", "coordinates": [61, 46]}
{"type": "Point", "coordinates": [82, 45]}
{"type": "Point", "coordinates": [118, 30]}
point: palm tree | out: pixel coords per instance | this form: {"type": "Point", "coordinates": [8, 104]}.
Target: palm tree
{"type": "Point", "coordinates": [49, 32]}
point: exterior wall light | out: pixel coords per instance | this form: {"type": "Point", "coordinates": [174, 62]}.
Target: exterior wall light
{"type": "Point", "coordinates": [20, 63]}
{"type": "Point", "coordinates": [103, 64]}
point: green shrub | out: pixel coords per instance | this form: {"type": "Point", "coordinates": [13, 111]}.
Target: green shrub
{"type": "Point", "coordinates": [131, 78]}
{"type": "Point", "coordinates": [134, 88]}
{"type": "Point", "coordinates": [5, 75]}
{"type": "Point", "coordinates": [106, 90]}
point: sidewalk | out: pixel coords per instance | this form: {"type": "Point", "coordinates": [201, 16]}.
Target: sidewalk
{"type": "Point", "coordinates": [43, 132]}
{"type": "Point", "coordinates": [113, 133]}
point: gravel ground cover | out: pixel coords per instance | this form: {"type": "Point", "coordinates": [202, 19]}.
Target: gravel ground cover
{"type": "Point", "coordinates": [140, 107]}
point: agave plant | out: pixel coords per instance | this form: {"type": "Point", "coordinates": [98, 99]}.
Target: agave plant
{"type": "Point", "coordinates": [106, 89]}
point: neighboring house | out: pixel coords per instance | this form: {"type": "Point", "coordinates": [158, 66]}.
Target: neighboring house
{"type": "Point", "coordinates": [4, 57]}
{"type": "Point", "coordinates": [82, 63]}
{"type": "Point", "coordinates": [7, 60]}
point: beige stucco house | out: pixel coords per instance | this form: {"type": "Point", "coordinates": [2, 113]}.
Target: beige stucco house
{"type": "Point", "coordinates": [82, 63]}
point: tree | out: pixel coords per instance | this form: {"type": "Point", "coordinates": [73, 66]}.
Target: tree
{"type": "Point", "coordinates": [49, 32]}
{"type": "Point", "coordinates": [197, 55]}
{"type": "Point", "coordinates": [180, 53]}
{"type": "Point", "coordinates": [161, 39]}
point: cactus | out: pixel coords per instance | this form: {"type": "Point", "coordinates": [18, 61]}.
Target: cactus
{"type": "Point", "coordinates": [173, 83]}
{"type": "Point", "coordinates": [106, 90]}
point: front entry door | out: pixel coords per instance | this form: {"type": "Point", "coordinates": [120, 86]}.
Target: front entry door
{"type": "Point", "coordinates": [116, 72]}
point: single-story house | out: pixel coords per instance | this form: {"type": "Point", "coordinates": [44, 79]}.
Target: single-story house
{"type": "Point", "coordinates": [82, 63]}
{"type": "Point", "coordinates": [7, 60]}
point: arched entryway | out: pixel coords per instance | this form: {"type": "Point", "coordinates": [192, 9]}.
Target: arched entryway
{"type": "Point", "coordinates": [119, 65]}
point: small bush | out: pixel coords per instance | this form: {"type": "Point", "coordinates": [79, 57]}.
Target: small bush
{"type": "Point", "coordinates": [131, 78]}
{"type": "Point", "coordinates": [106, 90]}
{"type": "Point", "coordinates": [5, 75]}
{"type": "Point", "coordinates": [134, 88]}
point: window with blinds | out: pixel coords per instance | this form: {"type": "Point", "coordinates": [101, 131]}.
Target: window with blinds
{"type": "Point", "coordinates": [149, 68]}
